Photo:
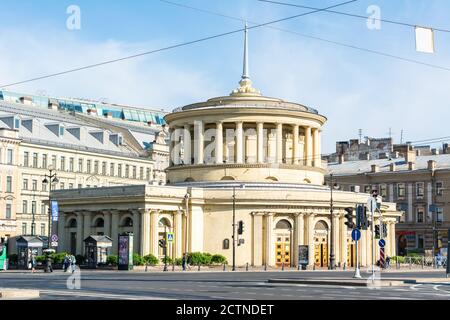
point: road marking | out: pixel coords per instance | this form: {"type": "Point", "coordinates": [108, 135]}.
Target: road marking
{"type": "Point", "coordinates": [99, 295]}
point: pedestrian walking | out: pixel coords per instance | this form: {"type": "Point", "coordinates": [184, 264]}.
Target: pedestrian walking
{"type": "Point", "coordinates": [73, 263]}
{"type": "Point", "coordinates": [33, 263]}
{"type": "Point", "coordinates": [388, 262]}
{"type": "Point", "coordinates": [66, 262]}
{"type": "Point", "coordinates": [184, 262]}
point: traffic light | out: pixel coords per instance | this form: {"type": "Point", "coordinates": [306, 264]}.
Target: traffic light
{"type": "Point", "coordinates": [385, 233]}
{"type": "Point", "coordinates": [364, 221]}
{"type": "Point", "coordinates": [377, 232]}
{"type": "Point", "coordinates": [162, 243]}
{"type": "Point", "coordinates": [241, 227]}
{"type": "Point", "coordinates": [359, 216]}
{"type": "Point", "coordinates": [349, 217]}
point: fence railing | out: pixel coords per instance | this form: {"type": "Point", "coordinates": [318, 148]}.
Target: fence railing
{"type": "Point", "coordinates": [419, 261]}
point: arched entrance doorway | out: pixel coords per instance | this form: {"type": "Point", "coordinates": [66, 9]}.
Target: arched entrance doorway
{"type": "Point", "coordinates": [283, 237]}
{"type": "Point", "coordinates": [164, 226]}
{"type": "Point", "coordinates": [321, 244]}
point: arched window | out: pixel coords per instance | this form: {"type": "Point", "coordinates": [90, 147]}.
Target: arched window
{"type": "Point", "coordinates": [189, 180]}
{"type": "Point", "coordinates": [227, 178]}
{"type": "Point", "coordinates": [272, 179]}
{"type": "Point", "coordinates": [321, 225]}
{"type": "Point", "coordinates": [164, 222]}
{"type": "Point", "coordinates": [99, 223]}
{"type": "Point", "coordinates": [307, 181]}
{"type": "Point", "coordinates": [283, 224]}
{"type": "Point", "coordinates": [226, 244]}
{"type": "Point", "coordinates": [128, 222]}
{"type": "Point", "coordinates": [73, 223]}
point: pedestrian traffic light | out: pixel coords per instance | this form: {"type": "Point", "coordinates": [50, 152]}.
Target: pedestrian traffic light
{"type": "Point", "coordinates": [349, 216]}
{"type": "Point", "coordinates": [162, 243]}
{"type": "Point", "coordinates": [241, 227]}
{"type": "Point", "coordinates": [377, 232]}
{"type": "Point", "coordinates": [359, 216]}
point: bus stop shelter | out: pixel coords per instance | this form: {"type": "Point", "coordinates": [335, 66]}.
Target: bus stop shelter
{"type": "Point", "coordinates": [97, 250]}
{"type": "Point", "coordinates": [28, 246]}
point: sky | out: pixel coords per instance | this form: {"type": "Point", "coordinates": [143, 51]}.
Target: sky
{"type": "Point", "coordinates": [354, 89]}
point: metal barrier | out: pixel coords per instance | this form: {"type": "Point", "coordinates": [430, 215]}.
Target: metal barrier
{"type": "Point", "coordinates": [419, 262]}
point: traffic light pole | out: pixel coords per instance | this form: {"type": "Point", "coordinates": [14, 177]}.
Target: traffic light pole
{"type": "Point", "coordinates": [357, 272]}
{"type": "Point", "coordinates": [234, 229]}
{"type": "Point", "coordinates": [372, 209]}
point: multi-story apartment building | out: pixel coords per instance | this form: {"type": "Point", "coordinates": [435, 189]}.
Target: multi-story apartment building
{"type": "Point", "coordinates": [85, 149]}
{"type": "Point", "coordinates": [418, 184]}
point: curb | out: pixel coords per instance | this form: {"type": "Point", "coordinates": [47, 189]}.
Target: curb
{"type": "Point", "coordinates": [17, 294]}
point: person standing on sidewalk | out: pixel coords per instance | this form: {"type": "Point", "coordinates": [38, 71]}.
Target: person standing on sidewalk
{"type": "Point", "coordinates": [33, 263]}
{"type": "Point", "coordinates": [73, 263]}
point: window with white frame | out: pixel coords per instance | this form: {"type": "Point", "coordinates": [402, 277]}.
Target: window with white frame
{"type": "Point", "coordinates": [400, 190]}
{"type": "Point", "coordinates": [439, 188]}
{"type": "Point", "coordinates": [420, 215]}
{"type": "Point", "coordinates": [420, 190]}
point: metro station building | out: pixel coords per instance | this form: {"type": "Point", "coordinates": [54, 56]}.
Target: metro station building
{"type": "Point", "coordinates": [264, 151]}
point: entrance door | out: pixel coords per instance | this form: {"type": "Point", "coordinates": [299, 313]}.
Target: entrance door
{"type": "Point", "coordinates": [283, 250]}
{"type": "Point", "coordinates": [351, 254]}
{"type": "Point", "coordinates": [73, 243]}
{"type": "Point", "coordinates": [321, 252]}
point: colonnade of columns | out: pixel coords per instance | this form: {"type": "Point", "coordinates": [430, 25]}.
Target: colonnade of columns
{"type": "Point", "coordinates": [145, 228]}
{"type": "Point", "coordinates": [275, 143]}
{"type": "Point", "coordinates": [304, 234]}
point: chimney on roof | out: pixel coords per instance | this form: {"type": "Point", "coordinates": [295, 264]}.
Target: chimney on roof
{"type": "Point", "coordinates": [445, 148]}
{"type": "Point", "coordinates": [26, 101]}
{"type": "Point", "coordinates": [375, 168]}
{"type": "Point", "coordinates": [434, 152]}
{"type": "Point", "coordinates": [411, 166]}
{"type": "Point", "coordinates": [341, 159]}
{"type": "Point", "coordinates": [52, 105]}
{"type": "Point", "coordinates": [392, 167]}
{"type": "Point", "coordinates": [431, 165]}
{"type": "Point", "coordinates": [410, 154]}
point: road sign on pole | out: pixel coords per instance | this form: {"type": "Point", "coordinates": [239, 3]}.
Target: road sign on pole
{"type": "Point", "coordinates": [169, 236]}
{"type": "Point", "coordinates": [356, 235]}
{"type": "Point", "coordinates": [382, 243]}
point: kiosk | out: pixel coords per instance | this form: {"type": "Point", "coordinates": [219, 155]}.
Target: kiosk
{"type": "Point", "coordinates": [27, 247]}
{"type": "Point", "coordinates": [125, 251]}
{"type": "Point", "coordinates": [97, 250]}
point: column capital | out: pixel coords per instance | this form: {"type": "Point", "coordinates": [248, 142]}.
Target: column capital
{"type": "Point", "coordinates": [269, 214]}
{"type": "Point", "coordinates": [258, 214]}
{"type": "Point", "coordinates": [298, 214]}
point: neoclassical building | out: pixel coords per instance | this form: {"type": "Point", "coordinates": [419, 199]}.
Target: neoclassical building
{"type": "Point", "coordinates": [262, 155]}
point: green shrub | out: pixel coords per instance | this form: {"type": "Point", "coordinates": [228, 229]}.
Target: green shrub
{"type": "Point", "coordinates": [168, 259]}
{"type": "Point", "coordinates": [13, 258]}
{"type": "Point", "coordinates": [150, 260]}
{"type": "Point", "coordinates": [195, 258]}
{"type": "Point", "coordinates": [218, 259]}
{"type": "Point", "coordinates": [40, 259]}
{"type": "Point", "coordinates": [207, 257]}
{"type": "Point", "coordinates": [58, 258]}
{"type": "Point", "coordinates": [137, 260]}
{"type": "Point", "coordinates": [112, 260]}
{"type": "Point", "coordinates": [179, 261]}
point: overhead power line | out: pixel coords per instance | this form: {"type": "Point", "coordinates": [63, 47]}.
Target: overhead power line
{"type": "Point", "coordinates": [341, 44]}
{"type": "Point", "coordinates": [172, 47]}
{"type": "Point", "coordinates": [352, 15]}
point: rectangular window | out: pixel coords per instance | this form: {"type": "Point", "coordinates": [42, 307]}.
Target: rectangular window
{"type": "Point", "coordinates": [43, 209]}
{"type": "Point", "coordinates": [63, 163]}
{"type": "Point", "coordinates": [61, 186]}
{"type": "Point", "coordinates": [134, 172]}
{"type": "Point", "coordinates": [80, 186]}
{"type": "Point", "coordinates": [80, 165]}
{"type": "Point", "coordinates": [367, 189]}
{"type": "Point", "coordinates": [111, 169]}
{"type": "Point", "coordinates": [33, 207]}
{"type": "Point", "coordinates": [44, 186]}
{"type": "Point", "coordinates": [42, 229]}
{"type": "Point", "coordinates": [44, 161]}
{"type": "Point", "coordinates": [25, 206]}
{"type": "Point", "coordinates": [34, 185]}
{"type": "Point", "coordinates": [420, 241]}
{"type": "Point", "coordinates": [25, 184]}
{"type": "Point", "coordinates": [400, 190]}
{"type": "Point", "coordinates": [88, 165]}
{"type": "Point", "coordinates": [24, 228]}
{"type": "Point", "coordinates": [148, 174]}
{"type": "Point", "coordinates": [9, 184]}
{"type": "Point", "coordinates": [26, 159]}
{"type": "Point", "coordinates": [420, 215]}
{"type": "Point", "coordinates": [439, 188]}
{"type": "Point", "coordinates": [141, 173]}
{"type": "Point", "coordinates": [9, 156]}
{"type": "Point", "coordinates": [119, 171]}
{"type": "Point", "coordinates": [104, 168]}
{"type": "Point", "coordinates": [35, 160]}
{"type": "Point", "coordinates": [383, 190]}
{"type": "Point", "coordinates": [96, 167]}
{"type": "Point", "coordinates": [8, 211]}
{"type": "Point", "coordinates": [420, 190]}
{"type": "Point", "coordinates": [71, 165]}
{"type": "Point", "coordinates": [54, 162]}
{"type": "Point", "coordinates": [127, 171]}
{"type": "Point", "coordinates": [70, 185]}
{"type": "Point", "coordinates": [439, 215]}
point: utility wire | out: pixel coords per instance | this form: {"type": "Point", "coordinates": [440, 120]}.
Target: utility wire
{"type": "Point", "coordinates": [174, 46]}
{"type": "Point", "coordinates": [352, 15]}
{"type": "Point", "coordinates": [341, 44]}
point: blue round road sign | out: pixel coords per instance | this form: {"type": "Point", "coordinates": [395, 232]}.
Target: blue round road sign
{"type": "Point", "coordinates": [356, 234]}
{"type": "Point", "coordinates": [382, 243]}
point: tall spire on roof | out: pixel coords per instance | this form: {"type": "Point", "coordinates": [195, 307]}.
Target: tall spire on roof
{"type": "Point", "coordinates": [245, 85]}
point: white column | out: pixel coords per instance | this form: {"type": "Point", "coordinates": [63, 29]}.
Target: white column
{"type": "Point", "coordinates": [178, 234]}
{"type": "Point", "coordinates": [257, 239]}
{"type": "Point", "coordinates": [310, 238]}
{"type": "Point", "coordinates": [308, 146]}
{"type": "Point", "coordinates": [154, 233]}
{"type": "Point", "coordinates": [61, 231]}
{"type": "Point", "coordinates": [115, 231]}
{"type": "Point", "coordinates": [316, 148]}
{"type": "Point", "coordinates": [107, 220]}
{"type": "Point", "coordinates": [136, 232]}
{"type": "Point", "coordinates": [391, 234]}
{"type": "Point", "coordinates": [336, 238]}
{"type": "Point", "coordinates": [219, 143]}
{"type": "Point", "coordinates": [176, 146]}
{"type": "Point", "coordinates": [269, 241]}
{"type": "Point", "coordinates": [239, 142]}
{"type": "Point", "coordinates": [260, 143]}
{"type": "Point", "coordinates": [80, 223]}
{"type": "Point", "coordinates": [86, 227]}
{"type": "Point", "coordinates": [187, 158]}
{"type": "Point", "coordinates": [279, 143]}
{"type": "Point", "coordinates": [299, 235]}
{"type": "Point", "coordinates": [343, 237]}
{"type": "Point", "coordinates": [145, 232]}
{"type": "Point", "coordinates": [199, 142]}
{"type": "Point", "coordinates": [295, 148]}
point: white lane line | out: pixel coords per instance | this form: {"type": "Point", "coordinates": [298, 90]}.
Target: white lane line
{"type": "Point", "coordinates": [414, 287]}
{"type": "Point", "coordinates": [100, 295]}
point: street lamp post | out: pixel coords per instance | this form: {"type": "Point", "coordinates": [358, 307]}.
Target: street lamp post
{"type": "Point", "coordinates": [186, 199]}
{"type": "Point", "coordinates": [165, 248]}
{"type": "Point", "coordinates": [50, 179]}
{"type": "Point", "coordinates": [332, 185]}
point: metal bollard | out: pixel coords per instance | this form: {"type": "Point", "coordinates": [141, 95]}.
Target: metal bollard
{"type": "Point", "coordinates": [282, 266]}
{"type": "Point", "coordinates": [344, 266]}
{"type": "Point", "coordinates": [423, 262]}
{"type": "Point", "coordinates": [314, 266]}
{"type": "Point", "coordinates": [246, 268]}
{"type": "Point", "coordinates": [298, 267]}
{"type": "Point", "coordinates": [410, 262]}
{"type": "Point", "coordinates": [146, 267]}
{"type": "Point", "coordinates": [224, 267]}
{"type": "Point", "coordinates": [173, 266]}
{"type": "Point", "coordinates": [265, 267]}
{"type": "Point", "coordinates": [199, 267]}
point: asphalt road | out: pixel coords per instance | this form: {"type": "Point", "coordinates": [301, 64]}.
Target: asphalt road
{"type": "Point", "coordinates": [107, 285]}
